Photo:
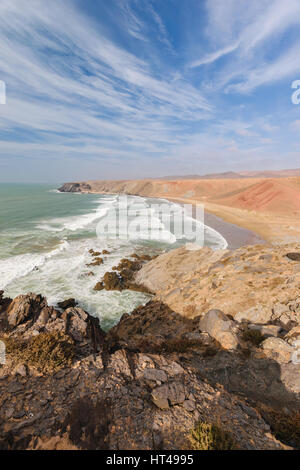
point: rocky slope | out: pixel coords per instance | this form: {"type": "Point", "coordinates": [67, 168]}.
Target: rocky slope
{"type": "Point", "coordinates": [111, 396]}
{"type": "Point", "coordinates": [256, 291]}
{"type": "Point", "coordinates": [216, 345]}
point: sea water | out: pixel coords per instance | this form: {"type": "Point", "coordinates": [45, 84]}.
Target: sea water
{"type": "Point", "coordinates": [45, 238]}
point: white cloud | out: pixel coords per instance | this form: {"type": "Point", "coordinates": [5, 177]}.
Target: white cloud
{"type": "Point", "coordinates": [209, 58]}
{"type": "Point", "coordinates": [88, 86]}
{"type": "Point", "coordinates": [284, 66]}
{"type": "Point", "coordinates": [251, 32]}
{"type": "Point", "coordinates": [75, 92]}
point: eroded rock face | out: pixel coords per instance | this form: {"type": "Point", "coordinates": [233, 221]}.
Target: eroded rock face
{"type": "Point", "coordinates": [29, 315]}
{"type": "Point", "coordinates": [160, 370]}
{"type": "Point", "coordinates": [117, 394]}
{"type": "Point", "coordinates": [154, 327]}
{"type": "Point", "coordinates": [25, 308]}
{"type": "Point", "coordinates": [278, 350]}
{"type": "Point", "coordinates": [93, 407]}
{"type": "Point", "coordinates": [248, 283]}
{"type": "Point", "coordinates": [75, 188]}
{"type": "Point", "coordinates": [220, 327]}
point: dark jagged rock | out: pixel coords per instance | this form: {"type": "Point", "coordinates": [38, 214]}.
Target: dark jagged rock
{"type": "Point", "coordinates": [70, 188]}
{"type": "Point", "coordinates": [96, 262]}
{"type": "Point", "coordinates": [75, 188]}
{"type": "Point", "coordinates": [294, 256]}
{"type": "Point", "coordinates": [30, 315]}
{"type": "Point", "coordinates": [67, 304]}
{"type": "Point", "coordinates": [99, 286]}
{"type": "Point", "coordinates": [4, 303]}
{"type": "Point", "coordinates": [122, 277]}
{"type": "Point", "coordinates": [25, 308]}
{"type": "Point", "coordinates": [83, 327]}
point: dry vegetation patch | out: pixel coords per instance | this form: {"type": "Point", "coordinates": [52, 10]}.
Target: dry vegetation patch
{"type": "Point", "coordinates": [47, 352]}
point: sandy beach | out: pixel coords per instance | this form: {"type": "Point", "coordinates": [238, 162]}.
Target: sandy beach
{"type": "Point", "coordinates": [243, 210]}
{"type": "Point", "coordinates": [236, 236]}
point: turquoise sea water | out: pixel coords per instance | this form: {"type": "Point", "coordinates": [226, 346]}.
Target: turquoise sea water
{"type": "Point", "coordinates": [45, 238]}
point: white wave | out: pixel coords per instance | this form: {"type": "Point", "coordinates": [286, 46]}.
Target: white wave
{"type": "Point", "coordinates": [214, 238]}
{"type": "Point", "coordinates": [19, 266]}
{"type": "Point", "coordinates": [219, 240]}
{"type": "Point", "coordinates": [150, 228]}
{"type": "Point", "coordinates": [76, 223]}
{"type": "Point", "coordinates": [72, 223]}
{"type": "Point", "coordinates": [49, 228]}
{"type": "Point", "coordinates": [108, 199]}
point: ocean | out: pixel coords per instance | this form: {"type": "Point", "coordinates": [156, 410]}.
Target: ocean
{"type": "Point", "coordinates": [45, 238]}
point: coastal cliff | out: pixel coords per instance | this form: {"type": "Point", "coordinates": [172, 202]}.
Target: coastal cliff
{"type": "Point", "coordinates": [214, 347]}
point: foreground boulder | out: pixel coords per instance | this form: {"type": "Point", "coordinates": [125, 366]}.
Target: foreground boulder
{"type": "Point", "coordinates": [67, 304]}
{"type": "Point", "coordinates": [220, 327]}
{"type": "Point", "coordinates": [278, 350]}
{"type": "Point", "coordinates": [25, 308]}
{"type": "Point", "coordinates": [294, 256]}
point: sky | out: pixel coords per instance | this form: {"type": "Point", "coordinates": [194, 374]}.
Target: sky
{"type": "Point", "coordinates": [126, 89]}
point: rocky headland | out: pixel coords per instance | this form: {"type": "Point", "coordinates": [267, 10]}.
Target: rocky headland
{"type": "Point", "coordinates": [215, 351]}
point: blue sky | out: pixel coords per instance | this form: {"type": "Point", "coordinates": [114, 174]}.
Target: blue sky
{"type": "Point", "coordinates": [100, 89]}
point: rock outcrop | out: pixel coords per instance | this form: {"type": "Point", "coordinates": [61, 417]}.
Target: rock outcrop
{"type": "Point", "coordinates": [75, 188]}
{"type": "Point", "coordinates": [218, 343]}
{"type": "Point", "coordinates": [219, 327]}
{"type": "Point", "coordinates": [29, 315]}
{"type": "Point", "coordinates": [122, 276]}
{"type": "Point", "coordinates": [113, 395]}
{"type": "Point", "coordinates": [257, 284]}
{"type": "Point", "coordinates": [248, 301]}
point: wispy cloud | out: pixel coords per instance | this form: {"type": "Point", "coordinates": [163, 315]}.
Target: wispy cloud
{"type": "Point", "coordinates": [116, 89]}
{"type": "Point", "coordinates": [251, 31]}
{"type": "Point", "coordinates": [212, 57]}
{"type": "Point", "coordinates": [64, 75]}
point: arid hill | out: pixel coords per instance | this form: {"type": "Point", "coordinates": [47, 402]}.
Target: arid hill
{"type": "Point", "coordinates": [272, 195]}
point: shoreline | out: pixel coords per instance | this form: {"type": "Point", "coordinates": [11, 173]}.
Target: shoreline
{"type": "Point", "coordinates": [235, 235]}
{"type": "Point", "coordinates": [271, 228]}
